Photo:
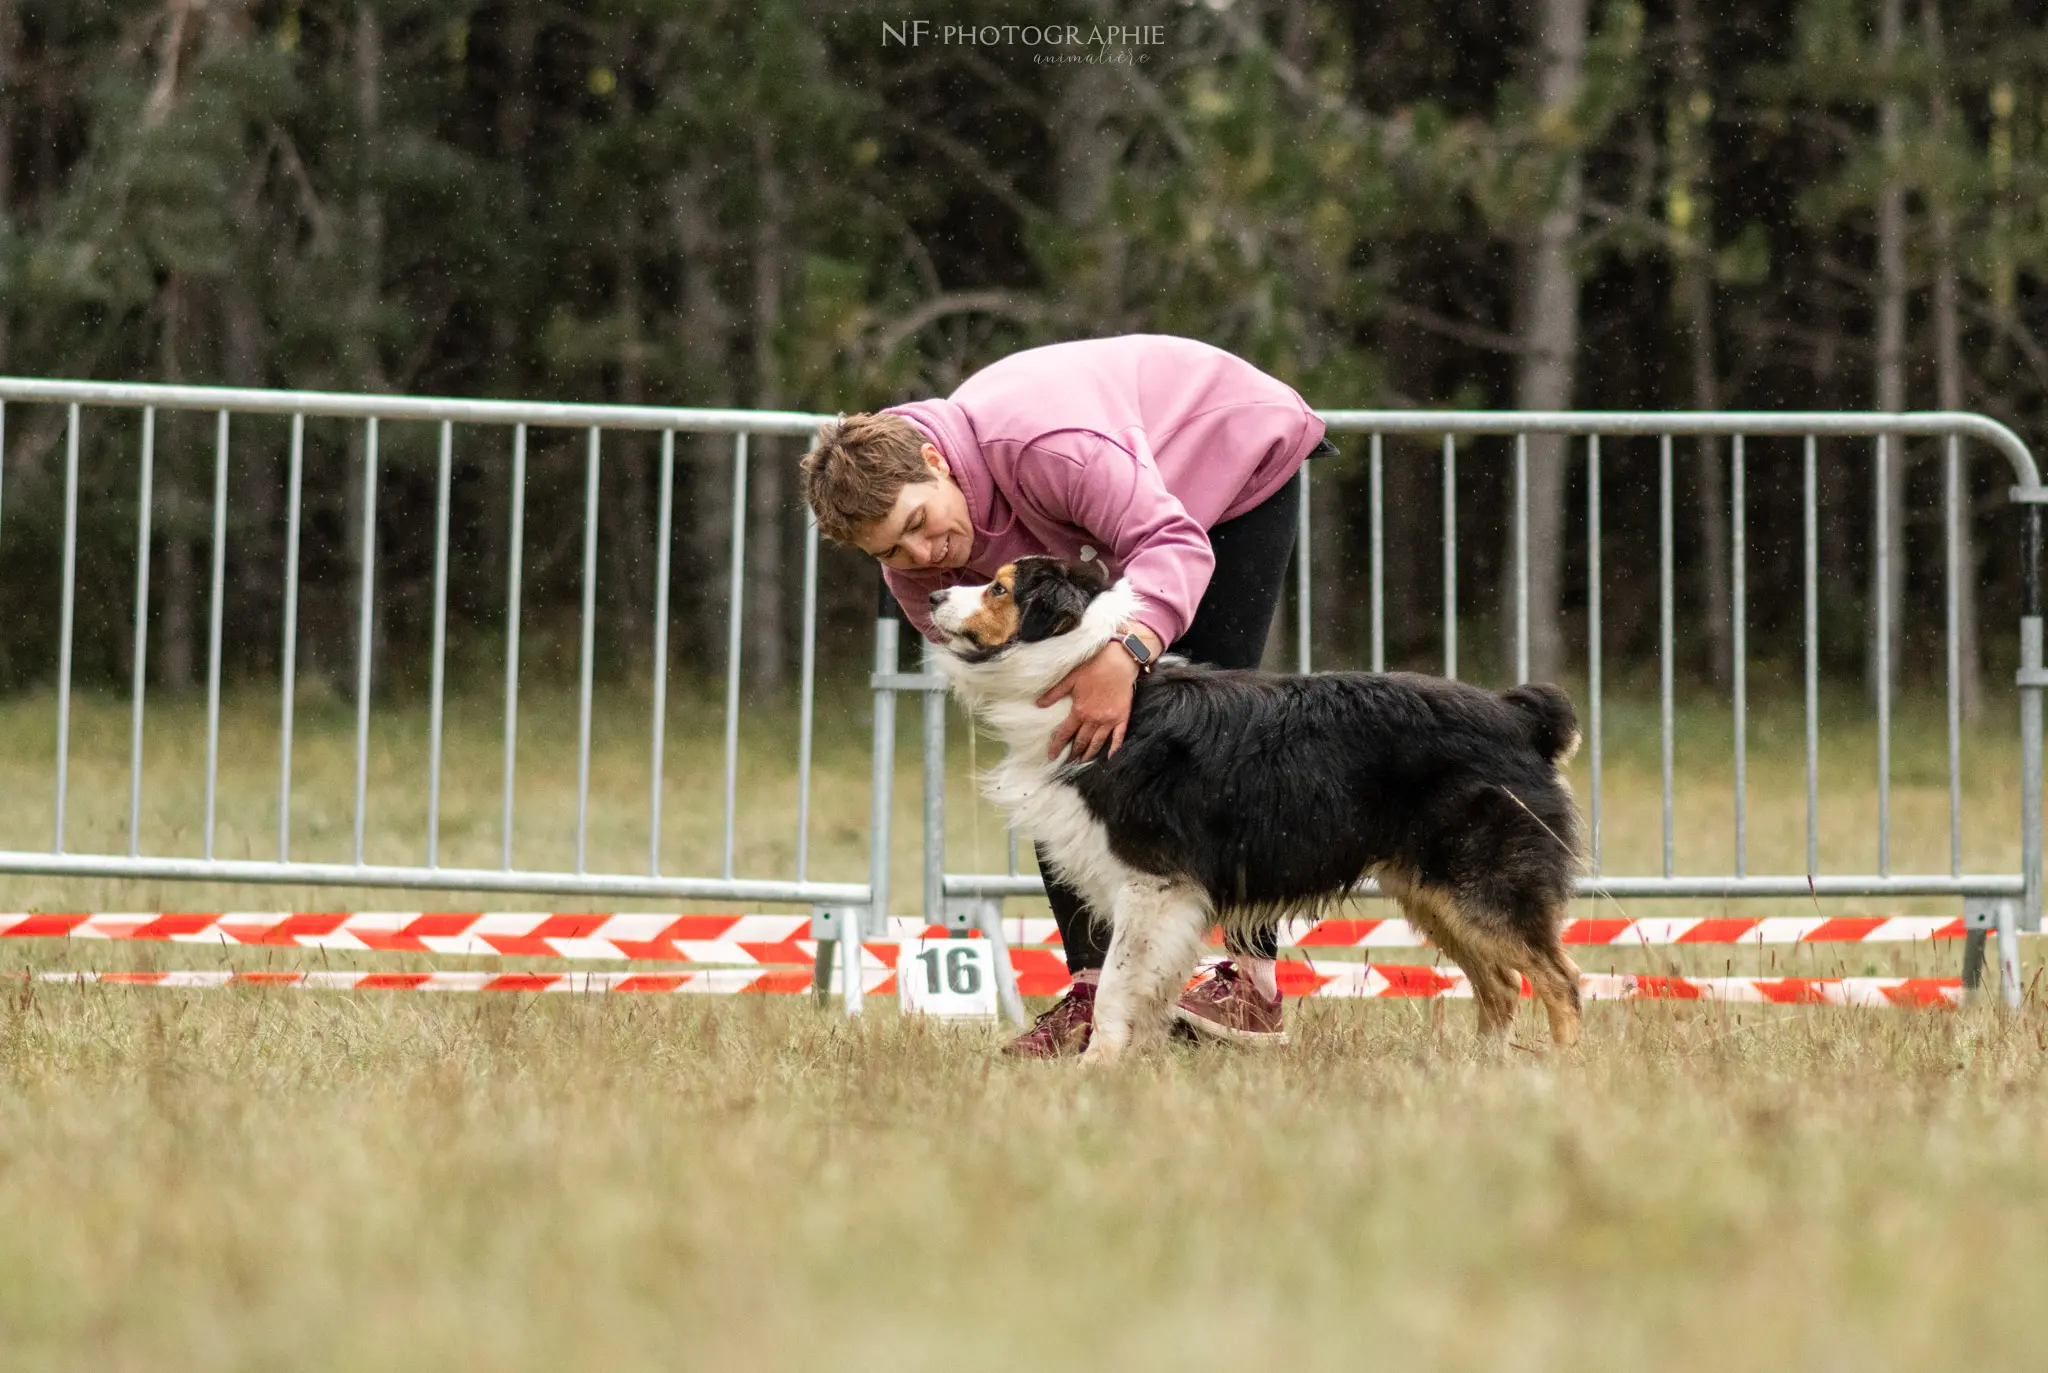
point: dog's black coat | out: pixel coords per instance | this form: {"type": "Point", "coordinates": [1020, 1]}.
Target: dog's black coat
{"type": "Point", "coordinates": [1276, 793]}
{"type": "Point", "coordinates": [1273, 795]}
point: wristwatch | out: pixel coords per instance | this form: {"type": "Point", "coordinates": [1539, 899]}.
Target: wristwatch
{"type": "Point", "coordinates": [1140, 650]}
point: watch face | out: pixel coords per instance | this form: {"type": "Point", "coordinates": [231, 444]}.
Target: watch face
{"type": "Point", "coordinates": [1138, 648]}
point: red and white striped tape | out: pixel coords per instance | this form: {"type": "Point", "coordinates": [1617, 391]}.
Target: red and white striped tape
{"type": "Point", "coordinates": [785, 940]}
{"type": "Point", "coordinates": [1361, 980]}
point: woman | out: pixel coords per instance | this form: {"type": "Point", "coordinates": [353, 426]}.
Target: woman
{"type": "Point", "coordinates": [1172, 461]}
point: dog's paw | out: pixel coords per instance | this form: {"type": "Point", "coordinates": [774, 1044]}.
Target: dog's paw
{"type": "Point", "coordinates": [1105, 1051]}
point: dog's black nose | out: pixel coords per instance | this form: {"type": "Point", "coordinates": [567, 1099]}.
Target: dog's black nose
{"type": "Point", "coordinates": [937, 596]}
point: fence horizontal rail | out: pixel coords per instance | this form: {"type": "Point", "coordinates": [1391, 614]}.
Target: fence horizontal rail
{"type": "Point", "coordinates": [424, 879]}
{"type": "Point", "coordinates": [345, 405]}
{"type": "Point", "coordinates": [1683, 423]}
{"type": "Point", "coordinates": [997, 885]}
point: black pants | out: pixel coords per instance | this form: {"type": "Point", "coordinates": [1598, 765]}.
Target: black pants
{"type": "Point", "coordinates": [1229, 630]}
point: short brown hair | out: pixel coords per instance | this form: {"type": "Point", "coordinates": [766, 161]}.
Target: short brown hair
{"type": "Point", "coordinates": [857, 470]}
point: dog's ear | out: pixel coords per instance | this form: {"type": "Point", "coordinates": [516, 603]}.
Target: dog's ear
{"type": "Point", "coordinates": [1051, 597]}
{"type": "Point", "coordinates": [1053, 609]}
{"type": "Point", "coordinates": [1091, 574]}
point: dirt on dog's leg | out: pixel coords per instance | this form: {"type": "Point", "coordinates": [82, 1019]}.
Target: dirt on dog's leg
{"type": "Point", "coordinates": [1158, 937]}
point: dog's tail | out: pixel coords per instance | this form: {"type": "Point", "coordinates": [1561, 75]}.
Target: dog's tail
{"type": "Point", "coordinates": [1553, 724]}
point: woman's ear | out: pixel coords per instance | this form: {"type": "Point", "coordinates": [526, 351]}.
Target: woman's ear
{"type": "Point", "coordinates": [935, 460]}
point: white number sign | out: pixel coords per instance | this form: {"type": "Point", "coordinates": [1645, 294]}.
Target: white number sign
{"type": "Point", "coordinates": [953, 978]}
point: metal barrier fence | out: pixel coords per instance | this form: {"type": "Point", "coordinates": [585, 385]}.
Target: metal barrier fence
{"type": "Point", "coordinates": [507, 428]}
{"type": "Point", "coordinates": [2006, 901]}
{"type": "Point", "coordinates": [2002, 901]}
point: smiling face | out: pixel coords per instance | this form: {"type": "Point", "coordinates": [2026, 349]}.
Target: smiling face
{"type": "Point", "coordinates": [928, 529]}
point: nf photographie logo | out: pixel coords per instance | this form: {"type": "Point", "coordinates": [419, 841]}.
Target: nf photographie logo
{"type": "Point", "coordinates": [1116, 43]}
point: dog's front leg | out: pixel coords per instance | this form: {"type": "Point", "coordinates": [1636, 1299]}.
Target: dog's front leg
{"type": "Point", "coordinates": [1156, 938]}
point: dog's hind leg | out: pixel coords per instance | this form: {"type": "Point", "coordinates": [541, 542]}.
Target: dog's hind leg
{"type": "Point", "coordinates": [1158, 929]}
{"type": "Point", "coordinates": [1556, 981]}
{"type": "Point", "coordinates": [1496, 987]}
{"type": "Point", "coordinates": [1506, 1001]}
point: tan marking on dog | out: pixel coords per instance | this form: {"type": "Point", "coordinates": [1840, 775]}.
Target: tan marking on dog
{"type": "Point", "coordinates": [995, 621]}
{"type": "Point", "coordinates": [1494, 958]}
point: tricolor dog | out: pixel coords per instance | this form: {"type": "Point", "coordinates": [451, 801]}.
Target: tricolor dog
{"type": "Point", "coordinates": [1241, 796]}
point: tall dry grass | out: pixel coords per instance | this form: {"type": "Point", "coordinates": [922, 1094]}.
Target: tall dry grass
{"type": "Point", "coordinates": [261, 1179]}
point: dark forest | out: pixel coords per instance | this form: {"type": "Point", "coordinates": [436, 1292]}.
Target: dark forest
{"type": "Point", "coordinates": [1766, 204]}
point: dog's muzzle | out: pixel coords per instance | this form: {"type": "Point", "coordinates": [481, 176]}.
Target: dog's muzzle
{"type": "Point", "coordinates": [952, 606]}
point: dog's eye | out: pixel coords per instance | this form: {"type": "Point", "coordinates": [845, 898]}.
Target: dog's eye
{"type": "Point", "coordinates": [997, 590]}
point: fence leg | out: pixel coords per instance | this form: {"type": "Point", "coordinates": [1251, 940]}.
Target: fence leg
{"type": "Point", "coordinates": [985, 913]}
{"type": "Point", "coordinates": [2009, 954]}
{"type": "Point", "coordinates": [1973, 962]}
{"type": "Point", "coordinates": [882, 796]}
{"type": "Point", "coordinates": [1984, 917]}
{"type": "Point", "coordinates": [2033, 678]}
{"type": "Point", "coordinates": [838, 930]}
{"type": "Point", "coordinates": [934, 792]}
{"type": "Point", "coordinates": [821, 969]}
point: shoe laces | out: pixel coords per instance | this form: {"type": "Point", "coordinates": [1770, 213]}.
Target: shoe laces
{"type": "Point", "coordinates": [1062, 1008]}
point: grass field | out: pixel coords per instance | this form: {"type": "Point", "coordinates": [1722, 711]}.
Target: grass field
{"type": "Point", "coordinates": [253, 1179]}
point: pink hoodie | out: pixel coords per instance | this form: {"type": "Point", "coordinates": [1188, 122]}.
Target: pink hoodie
{"type": "Point", "coordinates": [1129, 449]}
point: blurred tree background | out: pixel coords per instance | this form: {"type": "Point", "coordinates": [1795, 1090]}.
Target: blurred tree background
{"type": "Point", "coordinates": [806, 204]}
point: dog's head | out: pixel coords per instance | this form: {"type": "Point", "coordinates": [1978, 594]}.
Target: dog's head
{"type": "Point", "coordinates": [1031, 601]}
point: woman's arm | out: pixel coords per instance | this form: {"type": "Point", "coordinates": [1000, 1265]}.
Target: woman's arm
{"type": "Point", "coordinates": [1095, 484]}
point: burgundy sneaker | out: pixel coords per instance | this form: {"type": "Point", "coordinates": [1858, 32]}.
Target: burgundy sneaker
{"type": "Point", "coordinates": [1062, 1030]}
{"type": "Point", "coordinates": [1225, 1005]}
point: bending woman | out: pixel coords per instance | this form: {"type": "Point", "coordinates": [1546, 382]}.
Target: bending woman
{"type": "Point", "coordinates": [1176, 464]}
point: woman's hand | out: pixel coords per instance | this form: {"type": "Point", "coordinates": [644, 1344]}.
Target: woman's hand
{"type": "Point", "coordinates": [1101, 688]}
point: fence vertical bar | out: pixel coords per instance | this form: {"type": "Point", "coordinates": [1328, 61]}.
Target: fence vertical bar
{"type": "Point", "coordinates": [437, 692]}
{"type": "Point", "coordinates": [2033, 676]}
{"type": "Point", "coordinates": [1451, 557]}
{"type": "Point", "coordinates": [138, 688]}
{"type": "Point", "coordinates": [881, 795]}
{"type": "Point", "coordinates": [658, 747]}
{"type": "Point", "coordinates": [1379, 557]}
{"type": "Point", "coordinates": [1951, 518]}
{"type": "Point", "coordinates": [1811, 538]}
{"type": "Point", "coordinates": [67, 604]}
{"type": "Point", "coordinates": [1521, 558]}
{"type": "Point", "coordinates": [1885, 553]}
{"type": "Point", "coordinates": [1593, 630]}
{"type": "Point", "coordinates": [807, 695]}
{"type": "Point", "coordinates": [735, 603]}
{"type": "Point", "coordinates": [1303, 597]}
{"type": "Point", "coordinates": [1664, 638]}
{"type": "Point", "coordinates": [288, 654]}
{"type": "Point", "coordinates": [213, 633]}
{"type": "Point", "coordinates": [588, 652]}
{"type": "Point", "coordinates": [934, 792]}
{"type": "Point", "coordinates": [3, 445]}
{"type": "Point", "coordinates": [1739, 628]}
{"type": "Point", "coordinates": [365, 628]}
{"type": "Point", "coordinates": [514, 574]}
